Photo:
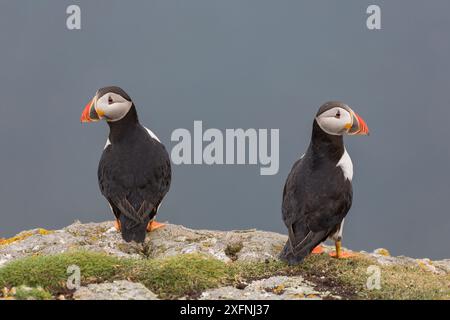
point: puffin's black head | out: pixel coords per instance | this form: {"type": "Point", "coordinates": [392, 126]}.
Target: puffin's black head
{"type": "Point", "coordinates": [336, 118]}
{"type": "Point", "coordinates": [109, 103]}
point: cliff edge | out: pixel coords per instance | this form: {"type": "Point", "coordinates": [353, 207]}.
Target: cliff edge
{"type": "Point", "coordinates": [91, 261]}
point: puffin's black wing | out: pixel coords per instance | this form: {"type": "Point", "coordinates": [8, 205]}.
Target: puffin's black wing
{"type": "Point", "coordinates": [134, 176]}
{"type": "Point", "coordinates": [315, 201]}
{"type": "Point", "coordinates": [288, 206]}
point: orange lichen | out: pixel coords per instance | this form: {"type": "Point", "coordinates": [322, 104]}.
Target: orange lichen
{"type": "Point", "coordinates": [44, 232]}
{"type": "Point", "coordinates": [24, 235]}
{"type": "Point", "coordinates": [383, 252]}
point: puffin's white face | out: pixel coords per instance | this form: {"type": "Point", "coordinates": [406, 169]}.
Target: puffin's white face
{"type": "Point", "coordinates": [339, 119]}
{"type": "Point", "coordinates": [112, 106]}
{"type": "Point", "coordinates": [109, 103]}
{"type": "Point", "coordinates": [335, 121]}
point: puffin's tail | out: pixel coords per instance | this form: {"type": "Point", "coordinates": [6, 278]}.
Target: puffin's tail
{"type": "Point", "coordinates": [300, 244]}
{"type": "Point", "coordinates": [134, 222]}
{"type": "Point", "coordinates": [288, 255]}
{"type": "Point", "coordinates": [132, 231]}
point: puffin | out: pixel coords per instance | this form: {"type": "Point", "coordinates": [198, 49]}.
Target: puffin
{"type": "Point", "coordinates": [318, 191]}
{"type": "Point", "coordinates": [134, 173]}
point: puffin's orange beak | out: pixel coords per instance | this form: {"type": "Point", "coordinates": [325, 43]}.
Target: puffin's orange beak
{"type": "Point", "coordinates": [89, 113]}
{"type": "Point", "coordinates": [359, 126]}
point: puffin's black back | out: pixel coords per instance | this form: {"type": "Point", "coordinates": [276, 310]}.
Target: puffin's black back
{"type": "Point", "coordinates": [134, 175]}
{"type": "Point", "coordinates": [316, 196]}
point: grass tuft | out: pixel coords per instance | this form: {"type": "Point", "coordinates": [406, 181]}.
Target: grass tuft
{"type": "Point", "coordinates": [190, 274]}
{"type": "Point", "coordinates": [180, 275]}
{"type": "Point", "coordinates": [50, 272]}
{"type": "Point", "coordinates": [170, 277]}
{"type": "Point", "coordinates": [348, 277]}
{"type": "Point", "coordinates": [27, 293]}
{"type": "Point", "coordinates": [233, 249]}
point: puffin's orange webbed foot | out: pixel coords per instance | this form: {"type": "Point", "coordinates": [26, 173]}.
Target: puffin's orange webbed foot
{"type": "Point", "coordinates": [153, 225]}
{"type": "Point", "coordinates": [117, 225]}
{"type": "Point", "coordinates": [342, 255]}
{"type": "Point", "coordinates": [339, 253]}
{"type": "Point", "coordinates": [318, 250]}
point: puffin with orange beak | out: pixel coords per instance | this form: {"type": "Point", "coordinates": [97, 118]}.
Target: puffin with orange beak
{"type": "Point", "coordinates": [134, 172]}
{"type": "Point", "coordinates": [318, 191]}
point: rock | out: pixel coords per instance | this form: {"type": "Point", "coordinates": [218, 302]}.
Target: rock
{"type": "Point", "coordinates": [443, 265]}
{"type": "Point", "coordinates": [172, 240]}
{"type": "Point", "coordinates": [273, 288]}
{"type": "Point", "coordinates": [437, 267]}
{"type": "Point", "coordinates": [382, 252]}
{"type": "Point", "coordinates": [242, 245]}
{"type": "Point", "coordinates": [247, 245]}
{"type": "Point", "coordinates": [117, 290]}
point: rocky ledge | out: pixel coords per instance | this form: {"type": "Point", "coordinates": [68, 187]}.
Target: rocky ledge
{"type": "Point", "coordinates": [230, 265]}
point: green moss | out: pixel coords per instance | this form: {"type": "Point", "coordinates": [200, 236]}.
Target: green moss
{"type": "Point", "coordinates": [397, 282]}
{"type": "Point", "coordinates": [50, 272]}
{"type": "Point", "coordinates": [170, 277]}
{"type": "Point", "coordinates": [405, 282]}
{"type": "Point", "coordinates": [348, 277]}
{"type": "Point", "coordinates": [257, 270]}
{"type": "Point", "coordinates": [191, 274]}
{"type": "Point", "coordinates": [179, 275]}
{"type": "Point", "coordinates": [26, 293]}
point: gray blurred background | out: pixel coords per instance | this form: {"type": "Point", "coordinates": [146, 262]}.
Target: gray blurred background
{"type": "Point", "coordinates": [231, 64]}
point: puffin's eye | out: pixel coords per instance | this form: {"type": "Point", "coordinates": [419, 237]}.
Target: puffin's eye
{"type": "Point", "coordinates": [110, 100]}
{"type": "Point", "coordinates": [338, 115]}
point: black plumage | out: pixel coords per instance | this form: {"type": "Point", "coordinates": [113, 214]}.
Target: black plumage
{"type": "Point", "coordinates": [316, 196]}
{"type": "Point", "coordinates": [134, 174]}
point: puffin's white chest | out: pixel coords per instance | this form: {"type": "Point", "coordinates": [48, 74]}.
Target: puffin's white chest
{"type": "Point", "coordinates": [150, 132]}
{"type": "Point", "coordinates": [345, 163]}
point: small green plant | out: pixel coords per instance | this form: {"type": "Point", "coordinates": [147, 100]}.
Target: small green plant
{"type": "Point", "coordinates": [233, 249]}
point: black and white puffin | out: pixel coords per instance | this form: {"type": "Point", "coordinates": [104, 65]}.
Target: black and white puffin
{"type": "Point", "coordinates": [318, 191]}
{"type": "Point", "coordinates": [134, 172]}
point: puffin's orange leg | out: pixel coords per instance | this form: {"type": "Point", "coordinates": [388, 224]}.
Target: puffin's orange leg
{"type": "Point", "coordinates": [153, 225]}
{"type": "Point", "coordinates": [339, 253]}
{"type": "Point", "coordinates": [117, 225]}
{"type": "Point", "coordinates": [318, 250]}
